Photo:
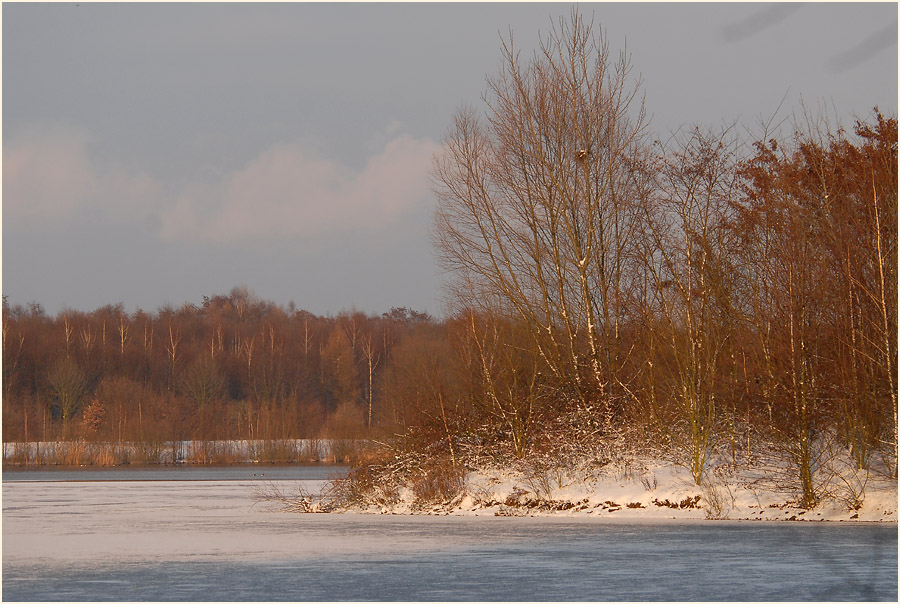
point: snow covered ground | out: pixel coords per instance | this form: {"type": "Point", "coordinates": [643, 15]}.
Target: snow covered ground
{"type": "Point", "coordinates": [657, 491]}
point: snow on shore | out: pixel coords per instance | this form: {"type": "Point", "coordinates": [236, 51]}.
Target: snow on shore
{"type": "Point", "coordinates": [658, 492]}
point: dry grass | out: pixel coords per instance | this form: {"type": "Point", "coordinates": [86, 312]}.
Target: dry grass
{"type": "Point", "coordinates": [273, 451]}
{"type": "Point", "coordinates": [311, 450]}
{"type": "Point", "coordinates": [719, 500]}
{"type": "Point", "coordinates": [16, 454]}
{"type": "Point", "coordinates": [302, 502]}
{"type": "Point", "coordinates": [202, 452]}
{"type": "Point", "coordinates": [66, 453]}
{"type": "Point", "coordinates": [208, 452]}
{"type": "Point", "coordinates": [439, 481]}
{"type": "Point", "coordinates": [365, 485]}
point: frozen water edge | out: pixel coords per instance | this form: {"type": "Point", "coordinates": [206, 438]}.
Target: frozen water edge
{"type": "Point", "coordinates": [182, 520]}
{"type": "Point", "coordinates": [212, 540]}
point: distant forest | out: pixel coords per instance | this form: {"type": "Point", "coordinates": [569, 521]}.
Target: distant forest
{"type": "Point", "coordinates": [697, 297]}
{"type": "Point", "coordinates": [236, 367]}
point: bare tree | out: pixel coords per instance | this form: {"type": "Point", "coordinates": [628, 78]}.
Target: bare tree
{"type": "Point", "coordinates": [172, 353]}
{"type": "Point", "coordinates": [507, 378]}
{"type": "Point", "coordinates": [340, 372]}
{"type": "Point", "coordinates": [688, 265]}
{"type": "Point", "coordinates": [857, 183]}
{"type": "Point", "coordinates": [538, 202]}
{"type": "Point", "coordinates": [783, 244]}
{"type": "Point", "coordinates": [68, 386]}
{"type": "Point", "coordinates": [68, 331]}
{"type": "Point", "coordinates": [123, 334]}
{"type": "Point", "coordinates": [203, 381]}
{"type": "Point", "coordinates": [373, 358]}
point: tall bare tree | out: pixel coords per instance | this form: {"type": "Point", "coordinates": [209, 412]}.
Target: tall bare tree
{"type": "Point", "coordinates": [538, 202]}
{"type": "Point", "coordinates": [67, 386]}
{"type": "Point", "coordinates": [688, 266]}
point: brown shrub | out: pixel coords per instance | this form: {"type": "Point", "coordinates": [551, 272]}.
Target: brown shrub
{"type": "Point", "coordinates": [438, 481]}
{"type": "Point", "coordinates": [365, 485]}
{"type": "Point", "coordinates": [93, 416]}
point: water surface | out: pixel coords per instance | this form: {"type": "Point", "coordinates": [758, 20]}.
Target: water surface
{"type": "Point", "coordinates": [174, 472]}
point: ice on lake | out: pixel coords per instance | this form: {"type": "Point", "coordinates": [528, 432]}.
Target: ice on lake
{"type": "Point", "coordinates": [179, 539]}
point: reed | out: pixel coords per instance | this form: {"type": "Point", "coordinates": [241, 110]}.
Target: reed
{"type": "Point", "coordinates": [202, 452]}
{"type": "Point", "coordinates": [206, 452]}
{"type": "Point", "coordinates": [16, 454]}
{"type": "Point", "coordinates": [312, 450]}
{"type": "Point", "coordinates": [275, 451]}
{"type": "Point", "coordinates": [148, 452]}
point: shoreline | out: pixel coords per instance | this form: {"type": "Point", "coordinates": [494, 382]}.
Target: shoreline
{"type": "Point", "coordinates": [795, 516]}
{"type": "Point", "coordinates": [625, 519]}
{"type": "Point", "coordinates": [599, 514]}
{"type": "Point", "coordinates": [654, 491]}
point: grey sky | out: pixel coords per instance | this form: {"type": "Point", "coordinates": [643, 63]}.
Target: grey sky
{"type": "Point", "coordinates": [157, 153]}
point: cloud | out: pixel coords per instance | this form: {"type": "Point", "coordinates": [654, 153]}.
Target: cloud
{"type": "Point", "coordinates": [287, 192]}
{"type": "Point", "coordinates": [49, 179]}
{"type": "Point", "coordinates": [760, 20]}
{"type": "Point", "coordinates": [865, 50]}
{"type": "Point", "coordinates": [46, 174]}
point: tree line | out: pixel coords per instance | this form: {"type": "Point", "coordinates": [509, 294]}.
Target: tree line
{"type": "Point", "coordinates": [235, 367]}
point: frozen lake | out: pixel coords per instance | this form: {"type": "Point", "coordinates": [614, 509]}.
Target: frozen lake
{"type": "Point", "coordinates": [160, 535]}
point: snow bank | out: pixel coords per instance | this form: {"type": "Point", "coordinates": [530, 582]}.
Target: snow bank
{"type": "Point", "coordinates": [657, 491]}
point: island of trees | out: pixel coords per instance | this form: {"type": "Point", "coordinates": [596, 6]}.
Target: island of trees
{"type": "Point", "coordinates": [698, 298]}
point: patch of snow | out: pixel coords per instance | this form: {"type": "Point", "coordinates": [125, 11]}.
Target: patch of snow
{"type": "Point", "coordinates": [653, 491]}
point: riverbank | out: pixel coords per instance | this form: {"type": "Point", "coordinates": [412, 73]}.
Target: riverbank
{"type": "Point", "coordinates": [652, 491]}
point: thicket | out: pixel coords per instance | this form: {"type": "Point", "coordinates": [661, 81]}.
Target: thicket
{"type": "Point", "coordinates": [698, 297]}
{"type": "Point", "coordinates": [748, 318]}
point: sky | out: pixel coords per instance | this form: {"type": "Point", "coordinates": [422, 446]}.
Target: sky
{"type": "Point", "coordinates": [157, 153]}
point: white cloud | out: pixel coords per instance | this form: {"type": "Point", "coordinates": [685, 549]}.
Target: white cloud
{"type": "Point", "coordinates": [286, 192]}
{"type": "Point", "coordinates": [48, 178]}
{"type": "Point", "coordinates": [46, 175]}
{"type": "Point", "coordinates": [289, 192]}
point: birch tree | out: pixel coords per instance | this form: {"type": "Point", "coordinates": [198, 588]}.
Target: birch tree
{"type": "Point", "coordinates": [538, 204]}
{"type": "Point", "coordinates": [688, 266]}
